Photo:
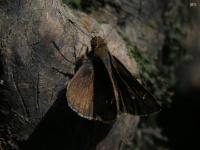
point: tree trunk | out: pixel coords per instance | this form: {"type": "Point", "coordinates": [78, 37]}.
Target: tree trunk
{"type": "Point", "coordinates": [40, 41]}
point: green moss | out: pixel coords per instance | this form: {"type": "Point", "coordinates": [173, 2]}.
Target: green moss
{"type": "Point", "coordinates": [74, 3]}
{"type": "Point", "coordinates": [151, 23]}
{"type": "Point", "coordinates": [145, 65]}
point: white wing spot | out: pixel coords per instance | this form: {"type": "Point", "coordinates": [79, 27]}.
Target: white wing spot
{"type": "Point", "coordinates": [133, 97]}
{"type": "Point", "coordinates": [144, 96]}
{"type": "Point", "coordinates": [1, 82]}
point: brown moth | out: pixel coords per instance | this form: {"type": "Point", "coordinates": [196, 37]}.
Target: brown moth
{"type": "Point", "coordinates": [102, 88]}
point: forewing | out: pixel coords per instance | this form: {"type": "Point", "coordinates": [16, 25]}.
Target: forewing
{"type": "Point", "coordinates": [134, 98]}
{"type": "Point", "coordinates": [80, 90]}
{"type": "Point", "coordinates": [104, 100]}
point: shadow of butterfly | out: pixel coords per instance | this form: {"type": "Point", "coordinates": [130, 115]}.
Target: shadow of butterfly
{"type": "Point", "coordinates": [102, 88]}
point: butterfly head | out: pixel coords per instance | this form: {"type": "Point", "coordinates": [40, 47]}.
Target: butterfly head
{"type": "Point", "coordinates": [97, 42]}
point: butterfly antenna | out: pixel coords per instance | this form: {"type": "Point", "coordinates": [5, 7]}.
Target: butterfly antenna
{"type": "Point", "coordinates": [73, 23]}
{"type": "Point", "coordinates": [58, 49]}
{"type": "Point", "coordinates": [112, 28]}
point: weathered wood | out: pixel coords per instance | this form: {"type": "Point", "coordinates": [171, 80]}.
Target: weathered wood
{"type": "Point", "coordinates": [38, 43]}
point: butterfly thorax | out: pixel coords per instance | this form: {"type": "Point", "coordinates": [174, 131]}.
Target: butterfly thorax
{"type": "Point", "coordinates": [100, 49]}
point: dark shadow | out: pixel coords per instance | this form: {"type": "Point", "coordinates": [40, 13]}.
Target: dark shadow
{"type": "Point", "coordinates": [181, 123]}
{"type": "Point", "coordinates": [62, 129]}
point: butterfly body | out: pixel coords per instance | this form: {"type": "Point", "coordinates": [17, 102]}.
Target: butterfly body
{"type": "Point", "coordinates": [102, 88]}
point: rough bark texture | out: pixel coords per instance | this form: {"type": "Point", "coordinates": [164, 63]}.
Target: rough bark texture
{"type": "Point", "coordinates": [40, 41]}
{"type": "Point", "coordinates": [33, 111]}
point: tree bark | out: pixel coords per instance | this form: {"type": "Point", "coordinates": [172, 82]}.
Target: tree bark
{"type": "Point", "coordinates": [39, 43]}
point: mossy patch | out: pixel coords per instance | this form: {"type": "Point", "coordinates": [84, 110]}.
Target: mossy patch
{"type": "Point", "coordinates": [74, 3]}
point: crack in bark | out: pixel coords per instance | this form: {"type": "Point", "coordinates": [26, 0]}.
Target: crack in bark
{"type": "Point", "coordinates": [63, 73]}
{"type": "Point", "coordinates": [21, 97]}
{"type": "Point", "coordinates": [52, 93]}
{"type": "Point", "coordinates": [21, 116]}
{"type": "Point", "coordinates": [140, 7]}
{"type": "Point", "coordinates": [37, 92]}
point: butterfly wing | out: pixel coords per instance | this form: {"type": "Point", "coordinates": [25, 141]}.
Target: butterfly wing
{"type": "Point", "coordinates": [90, 92]}
{"type": "Point", "coordinates": [134, 98]}
{"type": "Point", "coordinates": [80, 90]}
{"type": "Point", "coordinates": [104, 100]}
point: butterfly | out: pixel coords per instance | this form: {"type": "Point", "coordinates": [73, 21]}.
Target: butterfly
{"type": "Point", "coordinates": [103, 88]}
